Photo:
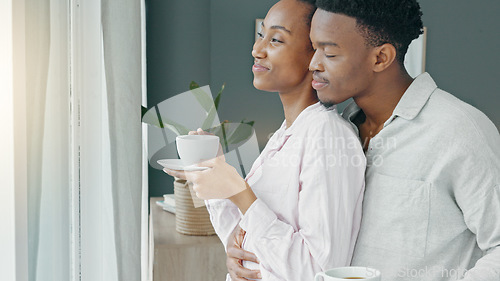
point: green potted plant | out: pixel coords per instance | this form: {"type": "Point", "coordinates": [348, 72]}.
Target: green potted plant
{"type": "Point", "coordinates": [189, 219]}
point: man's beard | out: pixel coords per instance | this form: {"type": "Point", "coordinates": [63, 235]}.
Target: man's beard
{"type": "Point", "coordinates": [327, 104]}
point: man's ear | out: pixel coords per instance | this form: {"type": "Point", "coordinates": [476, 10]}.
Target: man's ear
{"type": "Point", "coordinates": [384, 56]}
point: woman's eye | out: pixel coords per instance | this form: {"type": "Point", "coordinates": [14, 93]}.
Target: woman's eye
{"type": "Point", "coordinates": [274, 40]}
{"type": "Point", "coordinates": [260, 35]}
{"type": "Point", "coordinates": [330, 56]}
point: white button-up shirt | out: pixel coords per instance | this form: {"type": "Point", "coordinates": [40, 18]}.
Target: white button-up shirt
{"type": "Point", "coordinates": [309, 181]}
{"type": "Point", "coordinates": [432, 203]}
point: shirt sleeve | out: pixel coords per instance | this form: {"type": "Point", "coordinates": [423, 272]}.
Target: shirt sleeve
{"type": "Point", "coordinates": [477, 191]}
{"type": "Point", "coordinates": [484, 221]}
{"type": "Point", "coordinates": [329, 210]}
{"type": "Point", "coordinates": [224, 216]}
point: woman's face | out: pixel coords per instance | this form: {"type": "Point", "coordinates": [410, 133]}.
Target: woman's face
{"type": "Point", "coordinates": [283, 50]}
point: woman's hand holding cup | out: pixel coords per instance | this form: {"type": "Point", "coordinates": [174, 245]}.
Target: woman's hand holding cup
{"type": "Point", "coordinates": [219, 181]}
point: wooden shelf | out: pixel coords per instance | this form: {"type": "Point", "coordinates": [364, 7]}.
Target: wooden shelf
{"type": "Point", "coordinates": [178, 257]}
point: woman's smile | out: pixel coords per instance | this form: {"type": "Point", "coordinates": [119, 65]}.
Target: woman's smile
{"type": "Point", "coordinates": [259, 68]}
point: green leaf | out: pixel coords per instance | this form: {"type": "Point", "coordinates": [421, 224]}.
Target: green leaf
{"type": "Point", "coordinates": [217, 99]}
{"type": "Point", "coordinates": [213, 111]}
{"type": "Point", "coordinates": [250, 123]}
{"type": "Point", "coordinates": [143, 111]}
{"type": "Point", "coordinates": [224, 134]}
{"type": "Point", "coordinates": [203, 98]}
{"type": "Point", "coordinates": [193, 85]}
{"type": "Point", "coordinates": [220, 131]}
{"type": "Point", "coordinates": [177, 128]}
{"type": "Point", "coordinates": [217, 130]}
{"type": "Point", "coordinates": [242, 132]}
{"type": "Point", "coordinates": [232, 134]}
{"type": "Point", "coordinates": [210, 118]}
{"type": "Point", "coordinates": [151, 118]}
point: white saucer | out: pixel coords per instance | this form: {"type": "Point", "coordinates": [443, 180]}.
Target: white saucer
{"type": "Point", "coordinates": [176, 164]}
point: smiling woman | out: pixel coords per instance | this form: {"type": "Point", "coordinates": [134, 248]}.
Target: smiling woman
{"type": "Point", "coordinates": [290, 52]}
{"type": "Point", "coordinates": [287, 207]}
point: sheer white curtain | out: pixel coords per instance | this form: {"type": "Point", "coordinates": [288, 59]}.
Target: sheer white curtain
{"type": "Point", "coordinates": [121, 27]}
{"type": "Point", "coordinates": [47, 88]}
{"type": "Point", "coordinates": [13, 143]}
{"type": "Point", "coordinates": [84, 91]}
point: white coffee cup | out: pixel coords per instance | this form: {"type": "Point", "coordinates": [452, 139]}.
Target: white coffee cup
{"type": "Point", "coordinates": [354, 272]}
{"type": "Point", "coordinates": [196, 148]}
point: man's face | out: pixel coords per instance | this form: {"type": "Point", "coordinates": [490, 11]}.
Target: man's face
{"type": "Point", "coordinates": [342, 63]}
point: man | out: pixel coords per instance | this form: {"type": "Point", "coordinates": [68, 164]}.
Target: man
{"type": "Point", "coordinates": [432, 201]}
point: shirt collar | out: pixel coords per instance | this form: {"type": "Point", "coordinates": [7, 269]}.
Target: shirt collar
{"type": "Point", "coordinates": [415, 97]}
{"type": "Point", "coordinates": [301, 118]}
{"type": "Point", "coordinates": [281, 136]}
{"type": "Point", "coordinates": [410, 104]}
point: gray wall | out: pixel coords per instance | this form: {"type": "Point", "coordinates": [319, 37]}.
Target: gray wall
{"type": "Point", "coordinates": [210, 41]}
{"type": "Point", "coordinates": [463, 50]}
{"type": "Point", "coordinates": [232, 37]}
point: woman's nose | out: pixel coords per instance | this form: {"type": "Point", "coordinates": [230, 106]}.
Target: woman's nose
{"type": "Point", "coordinates": [258, 50]}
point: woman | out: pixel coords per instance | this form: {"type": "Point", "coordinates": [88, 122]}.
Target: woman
{"type": "Point", "coordinates": [300, 205]}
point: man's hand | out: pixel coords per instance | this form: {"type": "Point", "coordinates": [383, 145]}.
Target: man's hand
{"type": "Point", "coordinates": [236, 255]}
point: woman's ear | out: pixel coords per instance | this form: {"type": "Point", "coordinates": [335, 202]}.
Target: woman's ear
{"type": "Point", "coordinates": [384, 56]}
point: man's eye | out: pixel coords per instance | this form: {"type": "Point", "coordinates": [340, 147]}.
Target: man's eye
{"type": "Point", "coordinates": [260, 35]}
{"type": "Point", "coordinates": [330, 56]}
{"type": "Point", "coordinates": [274, 40]}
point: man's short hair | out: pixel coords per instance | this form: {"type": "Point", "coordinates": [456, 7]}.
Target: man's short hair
{"type": "Point", "coordinates": [396, 22]}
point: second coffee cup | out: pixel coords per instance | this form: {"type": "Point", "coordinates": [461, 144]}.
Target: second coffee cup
{"type": "Point", "coordinates": [349, 272]}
